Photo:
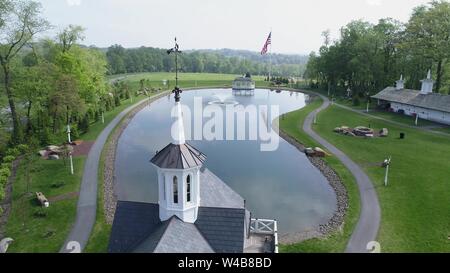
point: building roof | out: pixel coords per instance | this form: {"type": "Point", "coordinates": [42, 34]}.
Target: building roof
{"type": "Point", "coordinates": [182, 156]}
{"type": "Point", "coordinates": [432, 101]}
{"type": "Point", "coordinates": [220, 225]}
{"type": "Point", "coordinates": [220, 230]}
{"type": "Point", "coordinates": [215, 193]}
{"type": "Point", "coordinates": [243, 79]}
{"type": "Point", "coordinates": [175, 236]}
{"type": "Point", "coordinates": [224, 228]}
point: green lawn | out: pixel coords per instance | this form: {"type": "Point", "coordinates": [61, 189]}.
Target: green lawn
{"type": "Point", "coordinates": [415, 206]}
{"type": "Point", "coordinates": [336, 242]}
{"type": "Point", "coordinates": [30, 232]}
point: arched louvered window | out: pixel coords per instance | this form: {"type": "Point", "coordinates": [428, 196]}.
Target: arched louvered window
{"type": "Point", "coordinates": [175, 190]}
{"type": "Point", "coordinates": [188, 188]}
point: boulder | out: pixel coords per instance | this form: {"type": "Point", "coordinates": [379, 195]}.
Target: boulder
{"type": "Point", "coordinates": [53, 149]}
{"type": "Point", "coordinates": [42, 153]}
{"type": "Point", "coordinates": [337, 130]}
{"type": "Point", "coordinates": [363, 131]}
{"type": "Point", "coordinates": [384, 132]}
{"type": "Point", "coordinates": [319, 152]}
{"type": "Point", "coordinates": [53, 157]}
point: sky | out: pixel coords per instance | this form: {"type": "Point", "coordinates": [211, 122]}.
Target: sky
{"type": "Point", "coordinates": [296, 25]}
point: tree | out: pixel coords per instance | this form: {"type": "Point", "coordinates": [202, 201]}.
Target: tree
{"type": "Point", "coordinates": [428, 36]}
{"type": "Point", "coordinates": [20, 21]}
{"type": "Point", "coordinates": [70, 36]}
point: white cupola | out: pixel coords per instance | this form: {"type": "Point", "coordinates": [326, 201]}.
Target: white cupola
{"type": "Point", "coordinates": [427, 85]}
{"type": "Point", "coordinates": [178, 166]}
{"type": "Point", "coordinates": [400, 84]}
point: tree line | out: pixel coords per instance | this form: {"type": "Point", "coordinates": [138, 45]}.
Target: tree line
{"type": "Point", "coordinates": [369, 57]}
{"type": "Point", "coordinates": [148, 59]}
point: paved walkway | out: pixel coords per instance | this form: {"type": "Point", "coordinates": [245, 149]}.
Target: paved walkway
{"type": "Point", "coordinates": [87, 202]}
{"type": "Point", "coordinates": [369, 221]}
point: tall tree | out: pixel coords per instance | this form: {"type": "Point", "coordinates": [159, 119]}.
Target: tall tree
{"type": "Point", "coordinates": [20, 21]}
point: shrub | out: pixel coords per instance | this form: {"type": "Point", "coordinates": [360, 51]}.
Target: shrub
{"type": "Point", "coordinates": [6, 166]}
{"type": "Point", "coordinates": [9, 159]}
{"type": "Point", "coordinates": [40, 213]}
{"type": "Point", "coordinates": [1, 211]}
{"type": "Point", "coordinates": [2, 192]}
{"type": "Point", "coordinates": [13, 152]}
{"type": "Point", "coordinates": [5, 172]}
{"type": "Point", "coordinates": [3, 180]}
{"type": "Point", "coordinates": [23, 148]}
{"type": "Point", "coordinates": [74, 132]}
{"type": "Point", "coordinates": [117, 101]}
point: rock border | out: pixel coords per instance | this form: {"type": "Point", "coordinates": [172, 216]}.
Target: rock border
{"type": "Point", "coordinates": [336, 222]}
{"type": "Point", "coordinates": [109, 179]}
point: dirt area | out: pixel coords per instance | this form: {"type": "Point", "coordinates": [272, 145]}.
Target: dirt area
{"type": "Point", "coordinates": [83, 148]}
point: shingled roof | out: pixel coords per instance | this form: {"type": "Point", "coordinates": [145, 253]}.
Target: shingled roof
{"type": "Point", "coordinates": [432, 101]}
{"type": "Point", "coordinates": [182, 156]}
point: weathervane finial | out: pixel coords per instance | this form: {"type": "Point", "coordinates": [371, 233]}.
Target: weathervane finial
{"type": "Point", "coordinates": [176, 50]}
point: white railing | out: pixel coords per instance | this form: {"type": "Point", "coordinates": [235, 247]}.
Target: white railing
{"type": "Point", "coordinates": [265, 226]}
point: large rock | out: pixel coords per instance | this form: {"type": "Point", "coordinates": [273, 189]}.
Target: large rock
{"type": "Point", "coordinates": [363, 131]}
{"type": "Point", "coordinates": [53, 157]}
{"type": "Point", "coordinates": [384, 132]}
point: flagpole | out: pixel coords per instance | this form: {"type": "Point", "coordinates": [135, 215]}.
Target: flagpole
{"type": "Point", "coordinates": [270, 57]}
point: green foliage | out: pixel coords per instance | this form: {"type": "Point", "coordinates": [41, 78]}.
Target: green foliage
{"type": "Point", "coordinates": [23, 148]}
{"type": "Point", "coordinates": [6, 165]}
{"type": "Point", "coordinates": [13, 152]}
{"type": "Point", "coordinates": [1, 209]}
{"type": "Point", "coordinates": [3, 179]}
{"type": "Point", "coordinates": [85, 123]}
{"type": "Point", "coordinates": [9, 159]}
{"type": "Point", "coordinates": [2, 192]}
{"type": "Point", "coordinates": [5, 172]}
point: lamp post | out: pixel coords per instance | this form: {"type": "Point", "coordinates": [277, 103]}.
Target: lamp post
{"type": "Point", "coordinates": [70, 153]}
{"type": "Point", "coordinates": [386, 164]}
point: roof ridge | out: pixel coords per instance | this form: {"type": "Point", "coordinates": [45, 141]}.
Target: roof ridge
{"type": "Point", "coordinates": [169, 222]}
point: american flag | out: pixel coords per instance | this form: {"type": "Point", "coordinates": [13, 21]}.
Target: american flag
{"type": "Point", "coordinates": [266, 45]}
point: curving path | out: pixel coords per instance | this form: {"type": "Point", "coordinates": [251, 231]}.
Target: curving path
{"type": "Point", "coordinates": [369, 221]}
{"type": "Point", "coordinates": [87, 202]}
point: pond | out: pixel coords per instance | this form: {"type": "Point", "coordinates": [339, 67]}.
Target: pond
{"type": "Point", "coordinates": [280, 184]}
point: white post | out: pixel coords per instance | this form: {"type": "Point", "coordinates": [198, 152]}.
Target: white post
{"type": "Point", "coordinates": [367, 110]}
{"type": "Point", "coordinates": [417, 119]}
{"type": "Point", "coordinates": [103, 118]}
{"type": "Point", "coordinates": [71, 164]}
{"type": "Point", "coordinates": [68, 134]}
{"type": "Point", "coordinates": [387, 162]}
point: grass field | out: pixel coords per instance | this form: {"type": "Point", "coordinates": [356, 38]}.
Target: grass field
{"type": "Point", "coordinates": [415, 206]}
{"type": "Point", "coordinates": [336, 242]}
{"type": "Point", "coordinates": [33, 233]}
{"type": "Point", "coordinates": [185, 79]}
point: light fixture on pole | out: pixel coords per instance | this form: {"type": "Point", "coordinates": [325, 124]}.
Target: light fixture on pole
{"type": "Point", "coordinates": [386, 164]}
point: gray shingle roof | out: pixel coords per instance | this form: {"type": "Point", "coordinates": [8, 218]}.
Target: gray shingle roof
{"type": "Point", "coordinates": [176, 237]}
{"type": "Point", "coordinates": [182, 156]}
{"type": "Point", "coordinates": [433, 101]}
{"type": "Point", "coordinates": [223, 228]}
{"type": "Point", "coordinates": [216, 193]}
{"type": "Point", "coordinates": [133, 221]}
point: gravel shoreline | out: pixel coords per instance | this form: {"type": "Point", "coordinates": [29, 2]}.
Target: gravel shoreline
{"type": "Point", "coordinates": [109, 193]}
{"type": "Point", "coordinates": [337, 220]}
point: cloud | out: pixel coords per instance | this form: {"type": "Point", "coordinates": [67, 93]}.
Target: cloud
{"type": "Point", "coordinates": [72, 3]}
{"type": "Point", "coordinates": [374, 2]}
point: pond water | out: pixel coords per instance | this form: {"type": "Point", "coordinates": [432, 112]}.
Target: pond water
{"type": "Point", "coordinates": [280, 184]}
